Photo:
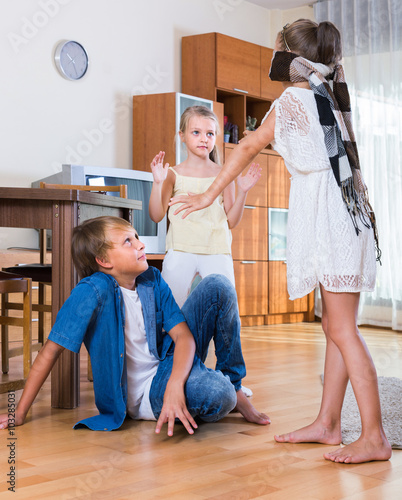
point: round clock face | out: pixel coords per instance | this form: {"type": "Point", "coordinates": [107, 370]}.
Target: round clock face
{"type": "Point", "coordinates": [71, 60]}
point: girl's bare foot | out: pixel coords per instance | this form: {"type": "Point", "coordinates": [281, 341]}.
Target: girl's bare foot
{"type": "Point", "coordinates": [361, 451]}
{"type": "Point", "coordinates": [314, 433]}
{"type": "Point", "coordinates": [248, 411]}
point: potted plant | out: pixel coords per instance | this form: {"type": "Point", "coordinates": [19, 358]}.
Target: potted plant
{"type": "Point", "coordinates": [251, 123]}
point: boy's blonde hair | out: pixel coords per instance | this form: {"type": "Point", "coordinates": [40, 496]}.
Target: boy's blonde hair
{"type": "Point", "coordinates": [203, 112]}
{"type": "Point", "coordinates": [90, 240]}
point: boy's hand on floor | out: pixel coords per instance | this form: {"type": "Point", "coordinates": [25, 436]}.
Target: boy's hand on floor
{"type": "Point", "coordinates": [174, 406]}
{"type": "Point", "coordinates": [4, 421]}
{"type": "Point", "coordinates": [15, 419]}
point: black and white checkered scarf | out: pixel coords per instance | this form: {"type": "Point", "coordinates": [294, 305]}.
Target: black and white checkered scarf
{"type": "Point", "coordinates": [333, 105]}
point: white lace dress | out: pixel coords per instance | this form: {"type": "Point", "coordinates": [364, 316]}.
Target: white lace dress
{"type": "Point", "coordinates": [322, 245]}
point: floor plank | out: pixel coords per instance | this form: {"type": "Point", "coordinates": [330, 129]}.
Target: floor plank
{"type": "Point", "coordinates": [228, 460]}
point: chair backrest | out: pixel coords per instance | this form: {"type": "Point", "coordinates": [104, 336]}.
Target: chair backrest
{"type": "Point", "coordinates": [10, 283]}
{"type": "Point", "coordinates": [122, 188]}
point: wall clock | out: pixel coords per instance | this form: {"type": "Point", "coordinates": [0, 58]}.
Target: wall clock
{"type": "Point", "coordinates": [71, 59]}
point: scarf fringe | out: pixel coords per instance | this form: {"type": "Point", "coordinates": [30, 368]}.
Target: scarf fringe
{"type": "Point", "coordinates": [359, 207]}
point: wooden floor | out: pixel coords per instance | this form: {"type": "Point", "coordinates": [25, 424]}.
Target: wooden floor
{"type": "Point", "coordinates": [229, 460]}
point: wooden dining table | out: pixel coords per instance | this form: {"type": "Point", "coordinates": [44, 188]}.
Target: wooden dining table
{"type": "Point", "coordinates": [60, 210]}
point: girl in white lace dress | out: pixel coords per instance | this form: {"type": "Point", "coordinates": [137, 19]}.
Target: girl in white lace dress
{"type": "Point", "coordinates": [332, 236]}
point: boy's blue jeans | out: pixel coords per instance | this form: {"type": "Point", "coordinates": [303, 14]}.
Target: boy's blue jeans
{"type": "Point", "coordinates": [211, 313]}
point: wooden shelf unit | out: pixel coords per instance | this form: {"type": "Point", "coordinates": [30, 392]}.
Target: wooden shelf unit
{"type": "Point", "coordinates": [155, 125]}
{"type": "Point", "coordinates": [261, 284]}
{"type": "Point", "coordinates": [230, 71]}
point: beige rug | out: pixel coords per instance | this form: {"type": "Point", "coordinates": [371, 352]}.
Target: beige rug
{"type": "Point", "coordinates": [390, 389]}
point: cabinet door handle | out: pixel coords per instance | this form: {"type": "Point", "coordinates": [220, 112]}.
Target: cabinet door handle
{"type": "Point", "coordinates": [240, 90]}
{"type": "Point", "coordinates": [250, 207]}
{"type": "Point", "coordinates": [248, 262]}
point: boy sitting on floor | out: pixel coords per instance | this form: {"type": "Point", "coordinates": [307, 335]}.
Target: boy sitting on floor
{"type": "Point", "coordinates": [147, 355]}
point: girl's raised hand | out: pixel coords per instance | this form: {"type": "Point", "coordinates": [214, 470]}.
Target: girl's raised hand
{"type": "Point", "coordinates": [159, 171]}
{"type": "Point", "coordinates": [246, 182]}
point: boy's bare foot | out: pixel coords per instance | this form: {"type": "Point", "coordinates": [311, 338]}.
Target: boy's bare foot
{"type": "Point", "coordinates": [361, 451]}
{"type": "Point", "coordinates": [248, 411]}
{"type": "Point", "coordinates": [313, 433]}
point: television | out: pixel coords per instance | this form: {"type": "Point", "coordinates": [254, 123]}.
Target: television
{"type": "Point", "coordinates": [139, 185]}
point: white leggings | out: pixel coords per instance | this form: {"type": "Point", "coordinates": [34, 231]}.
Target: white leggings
{"type": "Point", "coordinates": [180, 268]}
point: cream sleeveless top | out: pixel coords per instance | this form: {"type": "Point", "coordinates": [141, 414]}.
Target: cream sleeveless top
{"type": "Point", "coordinates": [205, 231]}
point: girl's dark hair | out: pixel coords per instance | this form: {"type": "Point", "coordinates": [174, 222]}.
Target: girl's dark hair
{"type": "Point", "coordinates": [90, 240]}
{"type": "Point", "coordinates": [203, 112]}
{"type": "Point", "coordinates": [320, 43]}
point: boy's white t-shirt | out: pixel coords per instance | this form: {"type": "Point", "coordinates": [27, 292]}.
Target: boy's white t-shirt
{"type": "Point", "coordinates": [141, 364]}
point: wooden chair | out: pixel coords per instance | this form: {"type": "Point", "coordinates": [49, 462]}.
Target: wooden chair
{"type": "Point", "coordinates": [42, 272]}
{"type": "Point", "coordinates": [13, 283]}
{"type": "Point", "coordinates": [122, 188]}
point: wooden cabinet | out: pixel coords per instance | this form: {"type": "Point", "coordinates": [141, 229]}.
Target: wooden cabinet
{"type": "Point", "coordinates": [257, 196]}
{"type": "Point", "coordinates": [198, 69]}
{"type": "Point", "coordinates": [229, 70]}
{"type": "Point", "coordinates": [278, 182]}
{"type": "Point", "coordinates": [214, 61]}
{"type": "Point", "coordinates": [250, 236]}
{"type": "Point", "coordinates": [261, 284]}
{"type": "Point", "coordinates": [237, 65]}
{"type": "Point", "coordinates": [155, 125]}
{"type": "Point", "coordinates": [252, 286]}
{"type": "Point", "coordinates": [149, 140]}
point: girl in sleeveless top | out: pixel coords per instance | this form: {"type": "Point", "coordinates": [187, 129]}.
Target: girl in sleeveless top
{"type": "Point", "coordinates": [200, 244]}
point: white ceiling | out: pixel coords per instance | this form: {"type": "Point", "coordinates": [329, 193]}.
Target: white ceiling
{"type": "Point", "coordinates": [282, 4]}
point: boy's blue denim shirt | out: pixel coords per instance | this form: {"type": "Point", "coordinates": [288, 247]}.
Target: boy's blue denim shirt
{"type": "Point", "coordinates": [94, 314]}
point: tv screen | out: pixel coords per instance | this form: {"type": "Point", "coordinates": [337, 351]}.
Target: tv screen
{"type": "Point", "coordinates": [137, 190]}
{"type": "Point", "coordinates": [139, 186]}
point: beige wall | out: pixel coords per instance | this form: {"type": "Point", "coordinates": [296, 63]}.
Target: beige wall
{"type": "Point", "coordinates": [280, 17]}
{"type": "Point", "coordinates": [134, 48]}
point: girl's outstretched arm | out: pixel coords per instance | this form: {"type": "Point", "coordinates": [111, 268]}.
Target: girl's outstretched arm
{"type": "Point", "coordinates": [161, 188]}
{"type": "Point", "coordinates": [242, 156]}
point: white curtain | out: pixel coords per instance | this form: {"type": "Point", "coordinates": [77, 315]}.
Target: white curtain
{"type": "Point", "coordinates": [372, 48]}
